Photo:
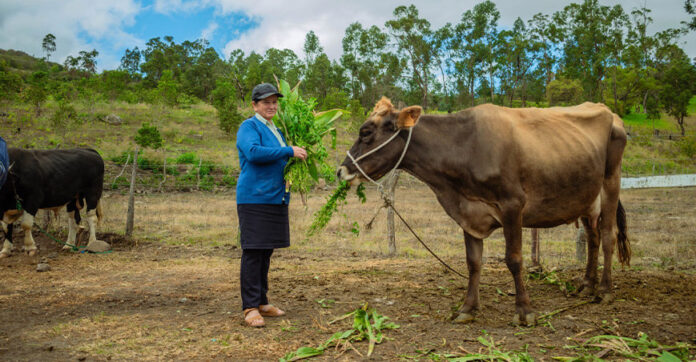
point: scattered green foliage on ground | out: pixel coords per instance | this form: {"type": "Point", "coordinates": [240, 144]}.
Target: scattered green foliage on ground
{"type": "Point", "coordinates": [367, 325]}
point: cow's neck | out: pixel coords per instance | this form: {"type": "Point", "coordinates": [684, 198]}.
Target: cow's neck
{"type": "Point", "coordinates": [430, 156]}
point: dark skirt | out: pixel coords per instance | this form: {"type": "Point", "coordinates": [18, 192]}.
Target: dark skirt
{"type": "Point", "coordinates": [263, 226]}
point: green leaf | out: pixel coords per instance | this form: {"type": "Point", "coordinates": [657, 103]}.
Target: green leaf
{"type": "Point", "coordinates": [668, 357]}
{"type": "Point", "coordinates": [312, 168]}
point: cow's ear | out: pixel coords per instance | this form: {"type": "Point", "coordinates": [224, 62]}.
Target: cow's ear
{"type": "Point", "coordinates": [409, 116]}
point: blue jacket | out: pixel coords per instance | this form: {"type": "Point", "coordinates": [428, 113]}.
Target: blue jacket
{"type": "Point", "coordinates": [262, 161]}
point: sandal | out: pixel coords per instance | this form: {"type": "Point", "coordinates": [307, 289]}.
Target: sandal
{"type": "Point", "coordinates": [270, 310]}
{"type": "Point", "coordinates": [252, 318]}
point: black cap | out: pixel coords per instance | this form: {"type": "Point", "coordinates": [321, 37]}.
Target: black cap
{"type": "Point", "coordinates": [264, 90]}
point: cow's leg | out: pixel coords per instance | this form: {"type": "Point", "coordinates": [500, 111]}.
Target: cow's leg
{"type": "Point", "coordinates": [590, 281]}
{"type": "Point", "coordinates": [27, 223]}
{"type": "Point", "coordinates": [607, 225]}
{"type": "Point", "coordinates": [72, 229]}
{"type": "Point", "coordinates": [474, 252]}
{"type": "Point", "coordinates": [92, 222]}
{"type": "Point", "coordinates": [512, 229]}
{"type": "Point", "coordinates": [7, 246]}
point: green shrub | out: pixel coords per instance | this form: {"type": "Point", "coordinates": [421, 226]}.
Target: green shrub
{"type": "Point", "coordinates": [687, 146]}
{"type": "Point", "coordinates": [229, 119]}
{"type": "Point", "coordinates": [187, 158]}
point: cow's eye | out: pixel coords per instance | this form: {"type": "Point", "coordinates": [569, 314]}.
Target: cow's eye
{"type": "Point", "coordinates": [364, 133]}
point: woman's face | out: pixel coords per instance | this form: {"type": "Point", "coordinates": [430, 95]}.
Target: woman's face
{"type": "Point", "coordinates": [266, 107]}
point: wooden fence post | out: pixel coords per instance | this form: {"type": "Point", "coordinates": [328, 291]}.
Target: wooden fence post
{"type": "Point", "coordinates": [131, 196]}
{"type": "Point", "coordinates": [390, 186]}
{"type": "Point", "coordinates": [535, 247]}
{"type": "Point", "coordinates": [581, 244]}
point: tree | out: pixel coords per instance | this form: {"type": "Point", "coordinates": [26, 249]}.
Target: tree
{"type": "Point", "coordinates": [413, 37]}
{"type": "Point", "coordinates": [588, 33]}
{"type": "Point", "coordinates": [690, 7]}
{"type": "Point", "coordinates": [312, 48]}
{"type": "Point", "coordinates": [130, 61]}
{"type": "Point", "coordinates": [678, 86]}
{"type": "Point", "coordinates": [88, 61]}
{"type": "Point", "coordinates": [49, 44]}
{"type": "Point", "coordinates": [35, 93]}
{"type": "Point", "coordinates": [564, 92]}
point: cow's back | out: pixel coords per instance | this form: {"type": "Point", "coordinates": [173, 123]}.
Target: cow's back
{"type": "Point", "coordinates": [558, 156]}
{"type": "Point", "coordinates": [57, 175]}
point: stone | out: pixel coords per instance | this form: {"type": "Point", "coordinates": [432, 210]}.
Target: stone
{"type": "Point", "coordinates": [98, 246]}
{"type": "Point", "coordinates": [43, 267]}
{"type": "Point", "coordinates": [113, 119]}
{"type": "Point", "coordinates": [183, 300]}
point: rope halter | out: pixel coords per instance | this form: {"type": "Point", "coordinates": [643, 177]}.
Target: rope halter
{"type": "Point", "coordinates": [403, 153]}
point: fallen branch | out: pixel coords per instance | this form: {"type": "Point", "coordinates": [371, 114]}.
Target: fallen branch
{"type": "Point", "coordinates": [557, 311]}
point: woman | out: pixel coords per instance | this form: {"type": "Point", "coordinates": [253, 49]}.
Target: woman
{"type": "Point", "coordinates": [262, 201]}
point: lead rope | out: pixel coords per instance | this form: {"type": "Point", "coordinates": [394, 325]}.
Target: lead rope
{"type": "Point", "coordinates": [387, 202]}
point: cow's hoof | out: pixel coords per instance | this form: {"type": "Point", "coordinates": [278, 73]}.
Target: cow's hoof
{"type": "Point", "coordinates": [66, 247]}
{"type": "Point", "coordinates": [605, 298]}
{"type": "Point", "coordinates": [464, 318]}
{"type": "Point", "coordinates": [32, 252]}
{"type": "Point", "coordinates": [529, 319]}
{"type": "Point", "coordinates": [4, 255]}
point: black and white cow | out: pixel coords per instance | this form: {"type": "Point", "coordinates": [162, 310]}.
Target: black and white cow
{"type": "Point", "coordinates": [50, 179]}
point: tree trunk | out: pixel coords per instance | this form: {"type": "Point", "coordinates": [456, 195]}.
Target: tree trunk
{"type": "Point", "coordinates": [390, 186]}
{"type": "Point", "coordinates": [131, 197]}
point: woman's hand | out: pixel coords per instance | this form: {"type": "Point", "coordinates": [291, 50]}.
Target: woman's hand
{"type": "Point", "coordinates": [299, 152]}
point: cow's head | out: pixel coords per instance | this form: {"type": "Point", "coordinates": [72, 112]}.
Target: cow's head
{"type": "Point", "coordinates": [381, 125]}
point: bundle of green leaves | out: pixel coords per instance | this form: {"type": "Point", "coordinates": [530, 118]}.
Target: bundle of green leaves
{"type": "Point", "coordinates": [307, 129]}
{"type": "Point", "coordinates": [323, 215]}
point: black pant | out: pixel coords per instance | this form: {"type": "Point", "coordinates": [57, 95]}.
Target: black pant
{"type": "Point", "coordinates": [254, 277]}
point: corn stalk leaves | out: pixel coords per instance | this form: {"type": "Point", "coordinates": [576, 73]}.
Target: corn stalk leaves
{"type": "Point", "coordinates": [367, 325]}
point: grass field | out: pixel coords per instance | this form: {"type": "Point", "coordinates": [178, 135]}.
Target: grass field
{"type": "Point", "coordinates": [173, 292]}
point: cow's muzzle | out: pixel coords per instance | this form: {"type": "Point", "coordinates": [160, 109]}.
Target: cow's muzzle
{"type": "Point", "coordinates": [344, 175]}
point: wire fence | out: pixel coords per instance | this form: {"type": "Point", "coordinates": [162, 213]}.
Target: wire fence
{"type": "Point", "coordinates": [217, 177]}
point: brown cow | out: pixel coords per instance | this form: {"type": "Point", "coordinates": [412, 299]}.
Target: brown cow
{"type": "Point", "coordinates": [493, 167]}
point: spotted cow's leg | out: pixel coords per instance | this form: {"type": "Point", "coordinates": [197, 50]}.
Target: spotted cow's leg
{"type": "Point", "coordinates": [474, 252]}
{"type": "Point", "coordinates": [92, 222]}
{"type": "Point", "coordinates": [29, 244]}
{"type": "Point", "coordinates": [7, 246]}
{"type": "Point", "coordinates": [72, 230]}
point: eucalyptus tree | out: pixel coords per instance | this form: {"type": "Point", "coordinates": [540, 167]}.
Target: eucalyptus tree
{"type": "Point", "coordinates": [49, 44]}
{"type": "Point", "coordinates": [587, 31]}
{"type": "Point", "coordinates": [130, 61]}
{"type": "Point", "coordinates": [474, 40]}
{"type": "Point", "coordinates": [368, 63]}
{"type": "Point", "coordinates": [546, 36]}
{"type": "Point", "coordinates": [414, 39]}
{"type": "Point", "coordinates": [517, 57]}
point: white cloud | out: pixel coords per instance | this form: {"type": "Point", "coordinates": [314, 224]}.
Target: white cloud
{"type": "Point", "coordinates": [209, 31]}
{"type": "Point", "coordinates": [23, 24]}
{"type": "Point", "coordinates": [285, 26]}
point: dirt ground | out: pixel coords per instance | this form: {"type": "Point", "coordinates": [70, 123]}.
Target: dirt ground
{"type": "Point", "coordinates": [155, 301]}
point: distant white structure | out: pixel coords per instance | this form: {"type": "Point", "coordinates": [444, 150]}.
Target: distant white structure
{"type": "Point", "coordinates": [658, 181]}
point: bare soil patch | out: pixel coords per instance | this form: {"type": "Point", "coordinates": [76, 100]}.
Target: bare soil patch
{"type": "Point", "coordinates": [154, 300]}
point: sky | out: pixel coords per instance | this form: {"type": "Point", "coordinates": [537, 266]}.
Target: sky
{"type": "Point", "coordinates": [111, 27]}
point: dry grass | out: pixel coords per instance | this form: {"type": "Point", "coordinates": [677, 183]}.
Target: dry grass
{"type": "Point", "coordinates": [661, 225]}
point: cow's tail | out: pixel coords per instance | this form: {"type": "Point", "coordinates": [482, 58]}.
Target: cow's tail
{"type": "Point", "coordinates": [100, 214]}
{"type": "Point", "coordinates": [624, 245]}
